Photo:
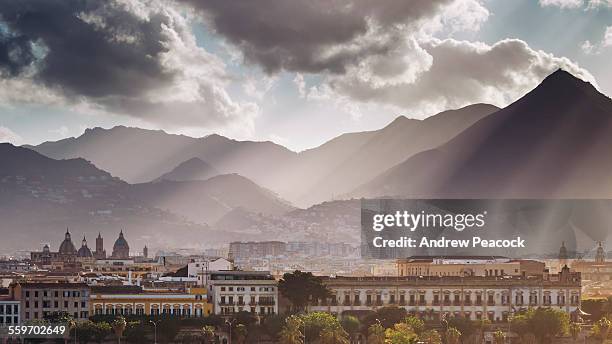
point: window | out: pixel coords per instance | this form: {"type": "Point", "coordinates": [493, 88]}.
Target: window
{"type": "Point", "coordinates": [36, 294]}
{"type": "Point", "coordinates": [56, 293]}
{"type": "Point", "coordinates": [27, 293]}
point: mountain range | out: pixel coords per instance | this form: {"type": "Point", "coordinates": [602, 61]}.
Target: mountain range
{"type": "Point", "coordinates": [554, 142]}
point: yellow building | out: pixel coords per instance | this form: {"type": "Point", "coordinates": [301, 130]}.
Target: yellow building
{"type": "Point", "coordinates": [134, 300]}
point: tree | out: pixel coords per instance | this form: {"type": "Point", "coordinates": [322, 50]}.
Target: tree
{"type": "Point", "coordinates": [574, 329]}
{"type": "Point", "coordinates": [417, 325]}
{"type": "Point", "coordinates": [168, 328]}
{"type": "Point", "coordinates": [603, 326]}
{"type": "Point", "coordinates": [301, 287]}
{"type": "Point", "coordinates": [315, 322]}
{"type": "Point", "coordinates": [208, 333]}
{"type": "Point", "coordinates": [136, 333]}
{"type": "Point", "coordinates": [606, 307]}
{"type": "Point", "coordinates": [102, 330]}
{"type": "Point", "coordinates": [452, 335]}
{"type": "Point", "coordinates": [86, 331]}
{"type": "Point", "coordinates": [245, 318]}
{"type": "Point", "coordinates": [291, 333]}
{"type": "Point", "coordinates": [431, 337]}
{"type": "Point", "coordinates": [118, 327]}
{"type": "Point", "coordinates": [388, 316]}
{"type": "Point", "coordinates": [401, 333]}
{"type": "Point", "coordinates": [273, 325]}
{"type": "Point", "coordinates": [240, 333]}
{"type": "Point", "coordinates": [351, 325]}
{"type": "Point", "coordinates": [529, 338]}
{"type": "Point", "coordinates": [499, 337]}
{"type": "Point", "coordinates": [334, 335]}
{"type": "Point", "coordinates": [546, 323]}
{"type": "Point", "coordinates": [376, 334]}
{"type": "Point", "coordinates": [464, 325]}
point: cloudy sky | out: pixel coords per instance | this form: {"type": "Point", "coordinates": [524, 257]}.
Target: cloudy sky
{"type": "Point", "coordinates": [294, 72]}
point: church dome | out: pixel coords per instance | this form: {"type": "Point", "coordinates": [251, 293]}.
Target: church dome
{"type": "Point", "coordinates": [121, 249]}
{"type": "Point", "coordinates": [84, 251]}
{"type": "Point", "coordinates": [67, 247]}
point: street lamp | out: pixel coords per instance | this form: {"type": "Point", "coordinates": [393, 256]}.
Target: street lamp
{"type": "Point", "coordinates": [155, 330]}
{"type": "Point", "coordinates": [230, 323]}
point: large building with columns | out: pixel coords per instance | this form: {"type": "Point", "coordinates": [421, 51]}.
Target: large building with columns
{"type": "Point", "coordinates": [493, 298]}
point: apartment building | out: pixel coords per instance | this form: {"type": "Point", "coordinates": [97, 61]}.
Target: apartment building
{"type": "Point", "coordinates": [9, 311]}
{"type": "Point", "coordinates": [236, 291]}
{"type": "Point", "coordinates": [42, 299]}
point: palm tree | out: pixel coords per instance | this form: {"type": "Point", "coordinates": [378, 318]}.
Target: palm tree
{"type": "Point", "coordinates": [208, 333]}
{"type": "Point", "coordinates": [376, 334]}
{"type": "Point", "coordinates": [499, 337]}
{"type": "Point", "coordinates": [452, 335]}
{"type": "Point", "coordinates": [291, 334]}
{"type": "Point", "coordinates": [335, 335]}
{"type": "Point", "coordinates": [575, 329]}
{"type": "Point", "coordinates": [604, 328]}
{"type": "Point", "coordinates": [118, 326]}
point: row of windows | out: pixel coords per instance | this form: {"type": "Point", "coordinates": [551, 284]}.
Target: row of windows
{"type": "Point", "coordinates": [244, 289]}
{"type": "Point", "coordinates": [9, 320]}
{"type": "Point", "coordinates": [265, 300]}
{"type": "Point", "coordinates": [154, 311]}
{"type": "Point", "coordinates": [456, 299]}
{"type": "Point", "coordinates": [9, 309]}
{"type": "Point", "coordinates": [56, 293]}
{"type": "Point", "coordinates": [47, 304]}
{"type": "Point", "coordinates": [253, 310]}
{"type": "Point", "coordinates": [45, 314]}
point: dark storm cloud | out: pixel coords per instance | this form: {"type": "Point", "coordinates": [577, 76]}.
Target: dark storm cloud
{"type": "Point", "coordinates": [311, 35]}
{"type": "Point", "coordinates": [84, 48]}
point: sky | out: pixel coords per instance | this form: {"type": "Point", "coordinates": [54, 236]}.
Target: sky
{"type": "Point", "coordinates": [297, 73]}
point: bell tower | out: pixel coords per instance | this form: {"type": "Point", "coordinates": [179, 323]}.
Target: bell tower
{"type": "Point", "coordinates": [100, 253]}
{"type": "Point", "coordinates": [600, 256]}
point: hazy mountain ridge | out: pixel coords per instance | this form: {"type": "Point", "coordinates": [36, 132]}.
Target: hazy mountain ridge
{"type": "Point", "coordinates": [384, 148]}
{"type": "Point", "coordinates": [554, 142]}
{"type": "Point", "coordinates": [192, 169]}
{"type": "Point", "coordinates": [40, 197]}
{"type": "Point", "coordinates": [139, 155]}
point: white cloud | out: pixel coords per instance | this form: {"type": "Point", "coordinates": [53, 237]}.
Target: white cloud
{"type": "Point", "coordinates": [574, 4]}
{"type": "Point", "coordinates": [456, 73]}
{"type": "Point", "coordinates": [593, 49]}
{"type": "Point", "coordinates": [7, 135]}
{"type": "Point", "coordinates": [61, 132]}
{"type": "Point", "coordinates": [587, 47]}
{"type": "Point", "coordinates": [152, 69]}
{"type": "Point", "coordinates": [562, 3]}
{"type": "Point", "coordinates": [607, 40]}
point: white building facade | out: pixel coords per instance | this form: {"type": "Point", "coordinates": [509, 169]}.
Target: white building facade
{"type": "Point", "coordinates": [236, 291]}
{"type": "Point", "coordinates": [431, 298]}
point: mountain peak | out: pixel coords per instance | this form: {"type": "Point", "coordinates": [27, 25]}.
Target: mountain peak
{"type": "Point", "coordinates": [564, 80]}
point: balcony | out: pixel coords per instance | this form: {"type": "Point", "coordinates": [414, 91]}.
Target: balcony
{"type": "Point", "coordinates": [226, 303]}
{"type": "Point", "coordinates": [403, 303]}
{"type": "Point", "coordinates": [379, 303]}
{"type": "Point", "coordinates": [478, 303]}
{"type": "Point", "coordinates": [490, 303]}
{"type": "Point", "coordinates": [422, 303]}
{"type": "Point", "coordinates": [435, 303]}
{"type": "Point", "coordinates": [356, 303]}
{"type": "Point", "coordinates": [467, 302]}
{"type": "Point", "coordinates": [447, 302]}
{"type": "Point", "coordinates": [456, 303]}
{"type": "Point", "coordinates": [266, 302]}
{"type": "Point", "coordinates": [346, 303]}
